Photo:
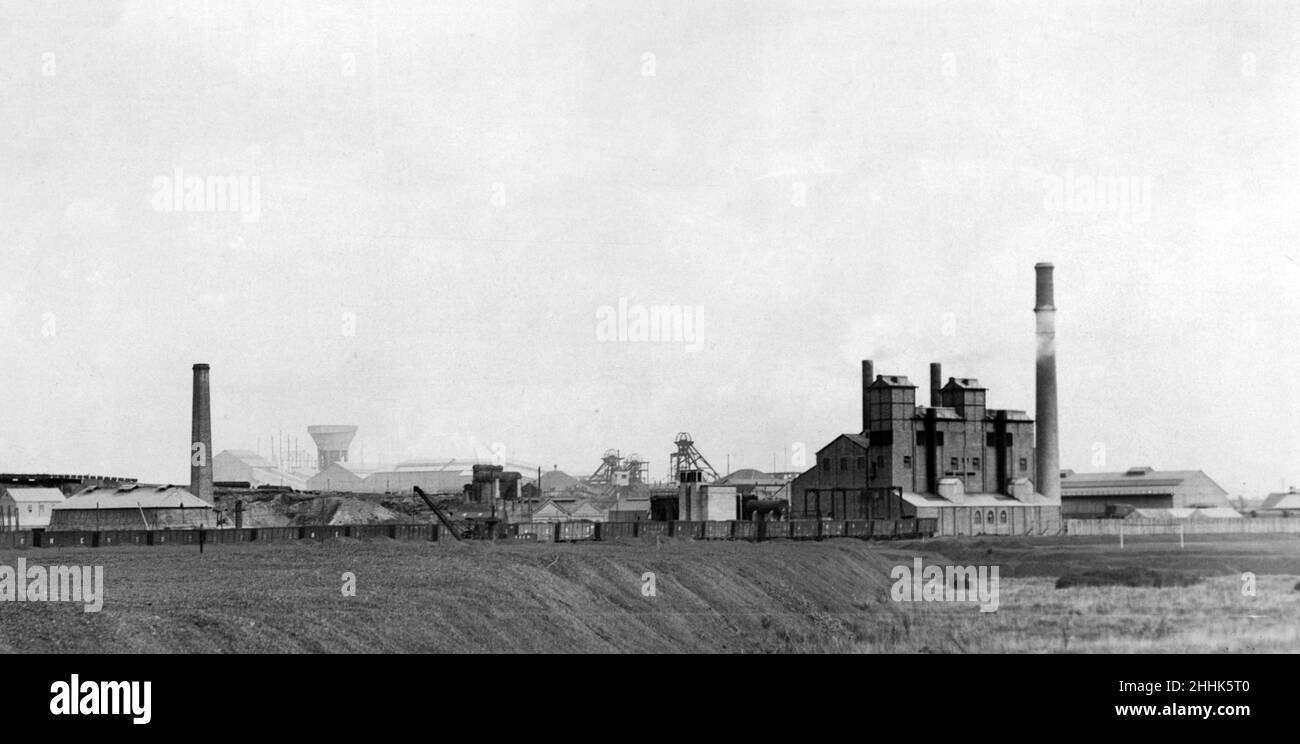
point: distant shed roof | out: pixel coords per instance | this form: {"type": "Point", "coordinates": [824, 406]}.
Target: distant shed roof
{"type": "Point", "coordinates": [1140, 480]}
{"type": "Point", "coordinates": [1287, 500]}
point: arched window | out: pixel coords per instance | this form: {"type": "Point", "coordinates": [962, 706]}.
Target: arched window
{"type": "Point", "coordinates": [1002, 516]}
{"type": "Point", "coordinates": [990, 517]}
{"type": "Point", "coordinates": [979, 517]}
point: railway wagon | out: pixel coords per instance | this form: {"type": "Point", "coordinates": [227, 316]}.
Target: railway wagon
{"type": "Point", "coordinates": [20, 539]}
{"type": "Point", "coordinates": [534, 531]}
{"type": "Point", "coordinates": [690, 530]}
{"type": "Point", "coordinates": [884, 528]}
{"type": "Point", "coordinates": [574, 531]}
{"type": "Point", "coordinates": [832, 528]}
{"type": "Point", "coordinates": [744, 530]}
{"type": "Point", "coordinates": [652, 529]}
{"type": "Point", "coordinates": [775, 530]}
{"type": "Point", "coordinates": [615, 530]}
{"type": "Point", "coordinates": [859, 528]}
{"type": "Point", "coordinates": [804, 529]}
{"type": "Point", "coordinates": [718, 530]}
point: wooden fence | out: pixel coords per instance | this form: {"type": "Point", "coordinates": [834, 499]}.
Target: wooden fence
{"type": "Point", "coordinates": [1134, 527]}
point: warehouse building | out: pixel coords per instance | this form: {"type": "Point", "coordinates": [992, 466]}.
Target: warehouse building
{"type": "Point", "coordinates": [246, 466]}
{"type": "Point", "coordinates": [338, 476]}
{"type": "Point", "coordinates": [26, 508]}
{"type": "Point", "coordinates": [1098, 495]}
{"type": "Point", "coordinates": [133, 507]}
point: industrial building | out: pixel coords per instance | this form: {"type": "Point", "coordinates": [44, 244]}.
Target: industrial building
{"type": "Point", "coordinates": [66, 483]}
{"type": "Point", "coordinates": [1097, 495]}
{"type": "Point", "coordinates": [26, 507]}
{"type": "Point", "coordinates": [556, 511]}
{"type": "Point", "coordinates": [1284, 504]}
{"type": "Point", "coordinates": [971, 467]}
{"type": "Point", "coordinates": [246, 466]}
{"type": "Point", "coordinates": [698, 501]}
{"type": "Point", "coordinates": [133, 507]}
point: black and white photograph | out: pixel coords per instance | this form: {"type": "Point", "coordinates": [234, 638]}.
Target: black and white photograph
{"type": "Point", "coordinates": [393, 328]}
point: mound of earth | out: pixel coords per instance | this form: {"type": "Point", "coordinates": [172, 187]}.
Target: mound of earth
{"type": "Point", "coordinates": [340, 510]}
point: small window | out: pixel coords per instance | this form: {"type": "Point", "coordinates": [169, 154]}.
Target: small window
{"type": "Point", "coordinates": [990, 516]}
{"type": "Point", "coordinates": [1002, 516]}
{"type": "Point", "coordinates": [880, 461]}
{"type": "Point", "coordinates": [862, 463]}
{"type": "Point", "coordinates": [979, 517]}
{"type": "Point", "coordinates": [955, 465]}
{"type": "Point", "coordinates": [907, 462]}
{"type": "Point", "coordinates": [826, 463]}
{"type": "Point", "coordinates": [1024, 464]}
{"type": "Point", "coordinates": [975, 463]}
{"type": "Point", "coordinates": [29, 508]}
{"type": "Point", "coordinates": [844, 463]}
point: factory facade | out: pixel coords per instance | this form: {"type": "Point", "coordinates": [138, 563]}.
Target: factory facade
{"type": "Point", "coordinates": [972, 468]}
{"type": "Point", "coordinates": [956, 460]}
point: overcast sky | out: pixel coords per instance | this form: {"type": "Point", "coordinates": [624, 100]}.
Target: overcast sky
{"type": "Point", "coordinates": [446, 205]}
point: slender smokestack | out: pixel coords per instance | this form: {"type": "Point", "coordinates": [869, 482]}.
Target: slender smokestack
{"type": "Point", "coordinates": [1047, 459]}
{"type": "Point", "coordinates": [936, 382]}
{"type": "Point", "coordinates": [867, 378]}
{"type": "Point", "coordinates": [201, 437]}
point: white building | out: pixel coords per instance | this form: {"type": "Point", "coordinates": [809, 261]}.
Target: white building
{"type": "Point", "coordinates": [25, 508]}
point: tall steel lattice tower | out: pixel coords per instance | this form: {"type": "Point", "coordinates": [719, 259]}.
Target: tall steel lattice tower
{"type": "Point", "coordinates": [687, 457]}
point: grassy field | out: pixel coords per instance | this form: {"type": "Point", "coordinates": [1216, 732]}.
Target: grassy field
{"type": "Point", "coordinates": [710, 597]}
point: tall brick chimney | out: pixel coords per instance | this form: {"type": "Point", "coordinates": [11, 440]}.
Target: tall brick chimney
{"type": "Point", "coordinates": [868, 377]}
{"type": "Point", "coordinates": [201, 437]}
{"type": "Point", "coordinates": [1047, 459]}
{"type": "Point", "coordinates": [936, 384]}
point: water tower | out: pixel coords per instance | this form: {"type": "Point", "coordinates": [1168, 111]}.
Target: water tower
{"type": "Point", "coordinates": [331, 443]}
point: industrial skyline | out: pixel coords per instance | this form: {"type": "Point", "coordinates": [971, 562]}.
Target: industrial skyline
{"type": "Point", "coordinates": [441, 281]}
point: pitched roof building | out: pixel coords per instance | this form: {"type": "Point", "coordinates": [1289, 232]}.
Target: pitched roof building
{"type": "Point", "coordinates": [133, 507]}
{"type": "Point", "coordinates": [1089, 495]}
{"type": "Point", "coordinates": [25, 508]}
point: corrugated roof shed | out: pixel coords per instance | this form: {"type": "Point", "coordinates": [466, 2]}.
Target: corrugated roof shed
{"type": "Point", "coordinates": [1142, 480]}
{"type": "Point", "coordinates": [132, 497]}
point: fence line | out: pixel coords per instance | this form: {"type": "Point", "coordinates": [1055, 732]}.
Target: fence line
{"type": "Point", "coordinates": [1134, 527]}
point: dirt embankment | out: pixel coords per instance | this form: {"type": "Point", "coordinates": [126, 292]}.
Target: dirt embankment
{"type": "Point", "coordinates": [470, 597]}
{"type": "Point", "coordinates": [708, 597]}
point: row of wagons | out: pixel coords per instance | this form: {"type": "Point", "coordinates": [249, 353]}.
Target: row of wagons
{"type": "Point", "coordinates": [806, 529]}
